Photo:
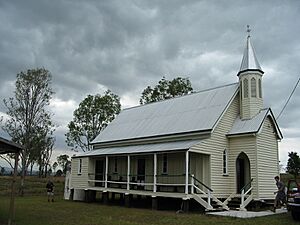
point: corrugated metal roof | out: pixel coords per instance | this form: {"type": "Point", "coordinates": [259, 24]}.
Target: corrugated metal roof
{"type": "Point", "coordinates": [7, 146]}
{"type": "Point", "coordinates": [195, 112]}
{"type": "Point", "coordinates": [248, 126]}
{"type": "Point", "coordinates": [249, 61]}
{"type": "Point", "coordinates": [143, 148]}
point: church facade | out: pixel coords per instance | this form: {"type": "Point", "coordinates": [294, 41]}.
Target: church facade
{"type": "Point", "coordinates": [211, 146]}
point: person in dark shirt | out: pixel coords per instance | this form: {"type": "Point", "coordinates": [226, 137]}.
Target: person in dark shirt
{"type": "Point", "coordinates": [50, 190]}
{"type": "Point", "coordinates": [280, 194]}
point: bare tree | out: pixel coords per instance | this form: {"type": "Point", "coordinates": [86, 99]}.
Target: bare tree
{"type": "Point", "coordinates": [29, 120]}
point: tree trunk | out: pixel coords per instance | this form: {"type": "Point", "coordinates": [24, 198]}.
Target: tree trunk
{"type": "Point", "coordinates": [46, 171]}
{"type": "Point", "coordinates": [40, 171]}
{"type": "Point", "coordinates": [23, 174]}
{"type": "Point", "coordinates": [31, 167]}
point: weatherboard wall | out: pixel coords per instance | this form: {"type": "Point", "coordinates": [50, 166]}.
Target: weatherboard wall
{"type": "Point", "coordinates": [267, 159]}
{"type": "Point", "coordinates": [250, 106]}
{"type": "Point", "coordinates": [214, 146]}
{"type": "Point", "coordinates": [247, 145]}
{"type": "Point", "coordinates": [79, 181]}
{"type": "Point", "coordinates": [200, 167]}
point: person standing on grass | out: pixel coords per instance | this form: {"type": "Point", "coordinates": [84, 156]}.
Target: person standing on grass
{"type": "Point", "coordinates": [50, 190]}
{"type": "Point", "coordinates": [280, 194]}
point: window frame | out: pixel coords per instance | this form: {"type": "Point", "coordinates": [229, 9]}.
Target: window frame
{"type": "Point", "coordinates": [225, 162]}
{"type": "Point", "coordinates": [259, 89]}
{"type": "Point", "coordinates": [79, 171]}
{"type": "Point", "coordinates": [246, 88]}
{"type": "Point", "coordinates": [253, 87]}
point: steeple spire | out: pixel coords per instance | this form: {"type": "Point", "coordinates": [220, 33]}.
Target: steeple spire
{"type": "Point", "coordinates": [249, 61]}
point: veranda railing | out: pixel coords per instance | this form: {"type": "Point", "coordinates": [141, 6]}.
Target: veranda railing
{"type": "Point", "coordinates": [138, 181]}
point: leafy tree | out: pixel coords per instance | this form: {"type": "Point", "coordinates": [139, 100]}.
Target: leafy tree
{"type": "Point", "coordinates": [63, 160]}
{"type": "Point", "coordinates": [166, 89]}
{"type": "Point", "coordinates": [293, 164]}
{"type": "Point", "coordinates": [42, 151]}
{"type": "Point", "coordinates": [29, 122]}
{"type": "Point", "coordinates": [46, 148]}
{"type": "Point", "coordinates": [90, 118]}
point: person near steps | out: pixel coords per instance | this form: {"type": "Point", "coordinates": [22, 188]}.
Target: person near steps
{"type": "Point", "coordinates": [280, 193]}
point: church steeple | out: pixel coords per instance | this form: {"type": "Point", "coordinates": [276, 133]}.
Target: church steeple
{"type": "Point", "coordinates": [249, 61]}
{"type": "Point", "coordinates": [250, 77]}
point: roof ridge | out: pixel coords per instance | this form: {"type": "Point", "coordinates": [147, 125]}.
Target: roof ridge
{"type": "Point", "coordinates": [181, 96]}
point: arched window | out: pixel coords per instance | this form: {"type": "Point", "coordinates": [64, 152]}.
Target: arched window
{"type": "Point", "coordinates": [246, 89]}
{"type": "Point", "coordinates": [253, 87]}
{"type": "Point", "coordinates": [259, 88]}
{"type": "Point", "coordinates": [225, 158]}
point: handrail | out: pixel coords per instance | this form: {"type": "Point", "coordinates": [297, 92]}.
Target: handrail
{"type": "Point", "coordinates": [245, 202]}
{"type": "Point", "coordinates": [200, 190]}
{"type": "Point", "coordinates": [140, 175]}
{"type": "Point", "coordinates": [208, 188]}
{"type": "Point", "coordinates": [246, 185]}
{"type": "Point", "coordinates": [170, 175]}
{"type": "Point", "coordinates": [158, 175]}
{"type": "Point", "coordinates": [146, 175]}
{"type": "Point", "coordinates": [250, 189]}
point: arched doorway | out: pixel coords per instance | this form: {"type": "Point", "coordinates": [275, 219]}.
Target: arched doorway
{"type": "Point", "coordinates": [243, 174]}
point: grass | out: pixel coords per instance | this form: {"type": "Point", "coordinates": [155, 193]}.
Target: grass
{"type": "Point", "coordinates": [34, 209]}
{"type": "Point", "coordinates": [32, 185]}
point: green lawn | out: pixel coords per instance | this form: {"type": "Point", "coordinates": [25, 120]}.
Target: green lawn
{"type": "Point", "coordinates": [35, 210]}
{"type": "Point", "coordinates": [32, 185]}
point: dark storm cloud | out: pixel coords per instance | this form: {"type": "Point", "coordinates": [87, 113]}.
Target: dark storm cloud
{"type": "Point", "coordinates": [90, 46]}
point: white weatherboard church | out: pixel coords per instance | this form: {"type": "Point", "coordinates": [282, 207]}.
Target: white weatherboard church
{"type": "Point", "coordinates": [211, 146]}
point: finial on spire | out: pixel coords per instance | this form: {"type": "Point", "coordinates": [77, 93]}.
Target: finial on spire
{"type": "Point", "coordinates": [248, 30]}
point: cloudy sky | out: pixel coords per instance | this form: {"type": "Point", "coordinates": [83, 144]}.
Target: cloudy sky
{"type": "Point", "coordinates": [91, 46]}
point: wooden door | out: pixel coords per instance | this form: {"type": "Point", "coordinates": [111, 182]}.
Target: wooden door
{"type": "Point", "coordinates": [141, 170]}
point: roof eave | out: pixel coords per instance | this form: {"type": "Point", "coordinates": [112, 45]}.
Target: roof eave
{"type": "Point", "coordinates": [225, 109]}
{"type": "Point", "coordinates": [279, 134]}
{"type": "Point", "coordinates": [254, 132]}
{"type": "Point", "coordinates": [250, 70]}
{"type": "Point", "coordinates": [251, 133]}
{"type": "Point", "coordinates": [7, 146]}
